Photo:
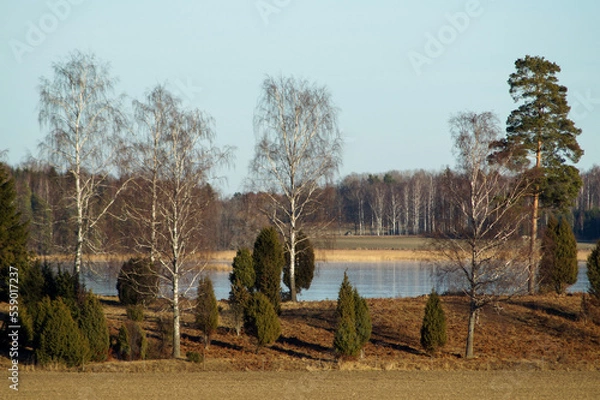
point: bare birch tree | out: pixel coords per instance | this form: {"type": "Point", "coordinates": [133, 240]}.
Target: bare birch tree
{"type": "Point", "coordinates": [298, 148]}
{"type": "Point", "coordinates": [84, 122]}
{"type": "Point", "coordinates": [178, 158]}
{"type": "Point", "coordinates": [484, 256]}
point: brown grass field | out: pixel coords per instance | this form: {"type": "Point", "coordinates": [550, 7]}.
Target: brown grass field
{"type": "Point", "coordinates": [523, 384]}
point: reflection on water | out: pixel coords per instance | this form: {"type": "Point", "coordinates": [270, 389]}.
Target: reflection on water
{"type": "Point", "coordinates": [373, 280]}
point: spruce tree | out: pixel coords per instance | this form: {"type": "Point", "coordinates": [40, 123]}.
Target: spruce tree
{"type": "Point", "coordinates": [263, 321]}
{"type": "Point", "coordinates": [433, 329]}
{"type": "Point", "coordinates": [13, 235]}
{"type": "Point", "coordinates": [268, 263]}
{"type": "Point", "coordinates": [207, 311]}
{"type": "Point", "coordinates": [304, 266]}
{"type": "Point", "coordinates": [593, 271]}
{"type": "Point", "coordinates": [94, 327]}
{"type": "Point", "coordinates": [346, 341]}
{"type": "Point", "coordinates": [540, 128]}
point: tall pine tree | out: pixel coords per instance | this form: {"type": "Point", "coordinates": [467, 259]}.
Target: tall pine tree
{"type": "Point", "coordinates": [540, 128]}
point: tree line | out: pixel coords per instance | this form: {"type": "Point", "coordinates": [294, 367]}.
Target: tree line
{"type": "Point", "coordinates": [391, 203]}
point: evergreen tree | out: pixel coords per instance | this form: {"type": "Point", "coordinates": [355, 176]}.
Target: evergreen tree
{"type": "Point", "coordinates": [346, 340]}
{"type": "Point", "coordinates": [123, 349]}
{"type": "Point", "coordinates": [60, 339]}
{"type": "Point", "coordinates": [433, 329]}
{"type": "Point", "coordinates": [13, 235]}
{"type": "Point", "coordinates": [268, 263]}
{"type": "Point", "coordinates": [593, 271]}
{"type": "Point", "coordinates": [94, 327]}
{"type": "Point", "coordinates": [263, 322]}
{"type": "Point", "coordinates": [207, 311]}
{"type": "Point", "coordinates": [243, 269]}
{"type": "Point", "coordinates": [304, 266]}
{"type": "Point", "coordinates": [362, 319]}
{"type": "Point", "coordinates": [541, 128]}
{"type": "Point", "coordinates": [548, 254]}
{"type": "Point", "coordinates": [138, 282]}
{"type": "Point", "coordinates": [242, 280]}
{"type": "Point", "coordinates": [558, 267]}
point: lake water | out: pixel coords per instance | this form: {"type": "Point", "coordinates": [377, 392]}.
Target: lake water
{"type": "Point", "coordinates": [373, 280]}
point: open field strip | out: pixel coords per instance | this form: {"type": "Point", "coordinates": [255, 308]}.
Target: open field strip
{"type": "Point", "coordinates": [309, 385]}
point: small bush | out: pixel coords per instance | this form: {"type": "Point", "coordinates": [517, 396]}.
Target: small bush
{"type": "Point", "coordinates": [131, 342]}
{"type": "Point", "coordinates": [194, 356]}
{"type": "Point", "coordinates": [433, 329]}
{"type": "Point", "coordinates": [263, 321]}
{"type": "Point", "coordinates": [135, 312]}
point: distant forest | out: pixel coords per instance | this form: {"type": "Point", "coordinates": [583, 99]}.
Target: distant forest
{"type": "Point", "coordinates": [392, 203]}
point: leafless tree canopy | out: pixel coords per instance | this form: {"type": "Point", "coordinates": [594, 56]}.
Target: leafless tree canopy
{"type": "Point", "coordinates": [174, 159]}
{"type": "Point", "coordinates": [298, 149]}
{"type": "Point", "coordinates": [484, 256]}
{"type": "Point", "coordinates": [84, 123]}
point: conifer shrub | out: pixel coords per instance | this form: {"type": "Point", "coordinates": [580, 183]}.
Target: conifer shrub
{"type": "Point", "coordinates": [94, 327]}
{"type": "Point", "coordinates": [268, 263]}
{"type": "Point", "coordinates": [243, 269]}
{"type": "Point", "coordinates": [60, 339]}
{"type": "Point", "coordinates": [558, 265]}
{"type": "Point", "coordinates": [593, 271]}
{"type": "Point", "coordinates": [137, 282]}
{"type": "Point", "coordinates": [132, 343]}
{"type": "Point", "coordinates": [135, 312]}
{"type": "Point", "coordinates": [242, 278]}
{"type": "Point", "coordinates": [194, 356]}
{"type": "Point", "coordinates": [207, 311]}
{"type": "Point", "coordinates": [263, 321]}
{"type": "Point", "coordinates": [122, 347]}
{"type": "Point", "coordinates": [363, 322]}
{"type": "Point", "coordinates": [346, 341]}
{"type": "Point", "coordinates": [304, 267]}
{"type": "Point", "coordinates": [433, 329]}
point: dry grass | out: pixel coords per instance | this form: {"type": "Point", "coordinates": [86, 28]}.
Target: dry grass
{"type": "Point", "coordinates": [533, 333]}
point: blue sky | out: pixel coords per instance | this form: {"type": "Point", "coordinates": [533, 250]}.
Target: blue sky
{"type": "Point", "coordinates": [397, 70]}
